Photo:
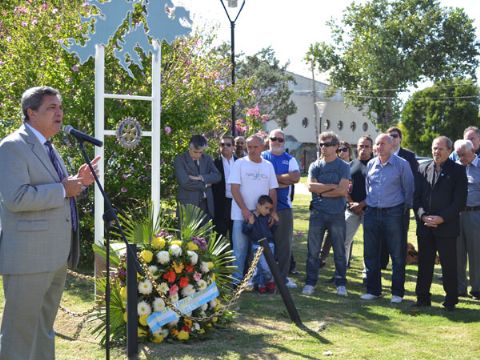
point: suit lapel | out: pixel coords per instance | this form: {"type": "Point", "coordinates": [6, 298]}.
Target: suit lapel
{"type": "Point", "coordinates": [40, 152]}
{"type": "Point", "coordinates": [430, 173]}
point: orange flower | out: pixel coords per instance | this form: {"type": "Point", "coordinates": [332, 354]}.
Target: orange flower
{"type": "Point", "coordinates": [177, 267]}
{"type": "Point", "coordinates": [183, 281]}
{"type": "Point", "coordinates": [170, 276]}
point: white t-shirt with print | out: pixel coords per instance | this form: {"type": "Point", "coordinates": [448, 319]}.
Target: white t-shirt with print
{"type": "Point", "coordinates": [255, 179]}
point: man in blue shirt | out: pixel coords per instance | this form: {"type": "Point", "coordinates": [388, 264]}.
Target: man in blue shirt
{"type": "Point", "coordinates": [390, 186]}
{"type": "Point", "coordinates": [288, 173]}
{"type": "Point", "coordinates": [328, 181]}
{"type": "Point", "coordinates": [468, 243]}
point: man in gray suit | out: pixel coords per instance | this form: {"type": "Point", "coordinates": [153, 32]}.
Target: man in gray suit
{"type": "Point", "coordinates": [38, 227]}
{"type": "Point", "coordinates": [196, 172]}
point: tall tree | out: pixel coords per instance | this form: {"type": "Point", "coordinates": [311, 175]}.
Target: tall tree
{"type": "Point", "coordinates": [382, 47]}
{"type": "Point", "coordinates": [270, 85]}
{"type": "Point", "coordinates": [446, 108]}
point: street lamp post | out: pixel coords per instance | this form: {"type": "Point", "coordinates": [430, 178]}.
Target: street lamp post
{"type": "Point", "coordinates": [232, 4]}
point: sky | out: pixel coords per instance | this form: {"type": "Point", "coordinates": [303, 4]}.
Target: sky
{"type": "Point", "coordinates": [289, 27]}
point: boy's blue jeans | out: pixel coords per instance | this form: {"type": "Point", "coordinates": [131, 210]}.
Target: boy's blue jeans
{"type": "Point", "coordinates": [262, 273]}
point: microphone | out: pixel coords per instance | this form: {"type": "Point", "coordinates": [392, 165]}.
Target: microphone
{"type": "Point", "coordinates": [69, 129]}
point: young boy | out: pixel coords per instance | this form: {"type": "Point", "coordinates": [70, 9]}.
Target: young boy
{"type": "Point", "coordinates": [259, 226]}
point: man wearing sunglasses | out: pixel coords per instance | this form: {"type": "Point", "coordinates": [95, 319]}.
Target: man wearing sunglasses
{"type": "Point", "coordinates": [328, 181]}
{"type": "Point", "coordinates": [288, 173]}
{"type": "Point", "coordinates": [222, 192]}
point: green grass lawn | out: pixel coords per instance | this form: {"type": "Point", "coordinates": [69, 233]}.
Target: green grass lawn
{"type": "Point", "coordinates": [345, 328]}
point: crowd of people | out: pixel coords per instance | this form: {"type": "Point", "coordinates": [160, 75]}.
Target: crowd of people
{"type": "Point", "coordinates": [247, 192]}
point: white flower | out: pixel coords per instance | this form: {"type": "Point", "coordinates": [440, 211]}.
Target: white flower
{"type": "Point", "coordinates": [204, 267]}
{"type": "Point", "coordinates": [163, 287]}
{"type": "Point", "coordinates": [213, 303]}
{"type": "Point", "coordinates": [174, 298]}
{"type": "Point", "coordinates": [196, 326]}
{"type": "Point", "coordinates": [145, 287]}
{"type": "Point", "coordinates": [158, 305]}
{"type": "Point", "coordinates": [188, 290]}
{"type": "Point", "coordinates": [153, 269]}
{"type": "Point", "coordinates": [193, 257]}
{"type": "Point", "coordinates": [202, 284]}
{"type": "Point", "coordinates": [163, 257]}
{"type": "Point", "coordinates": [204, 307]}
{"type": "Point", "coordinates": [143, 308]}
{"type": "Point", "coordinates": [175, 250]}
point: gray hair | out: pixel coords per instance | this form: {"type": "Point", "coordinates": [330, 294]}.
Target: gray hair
{"type": "Point", "coordinates": [197, 142]}
{"type": "Point", "coordinates": [387, 136]}
{"type": "Point", "coordinates": [329, 134]}
{"type": "Point", "coordinates": [472, 128]}
{"type": "Point", "coordinates": [33, 98]}
{"type": "Point", "coordinates": [277, 130]}
{"type": "Point", "coordinates": [465, 144]}
{"type": "Point", "coordinates": [447, 140]}
{"type": "Point", "coordinates": [255, 137]}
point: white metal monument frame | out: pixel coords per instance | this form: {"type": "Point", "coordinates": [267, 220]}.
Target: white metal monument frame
{"type": "Point", "coordinates": [101, 132]}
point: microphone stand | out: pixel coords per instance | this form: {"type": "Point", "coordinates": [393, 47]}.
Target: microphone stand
{"type": "Point", "coordinates": [109, 216]}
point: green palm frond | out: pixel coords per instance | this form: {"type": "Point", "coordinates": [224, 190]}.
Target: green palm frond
{"type": "Point", "coordinates": [192, 222]}
{"type": "Point", "coordinates": [114, 258]}
{"type": "Point", "coordinates": [222, 257]}
{"type": "Point", "coordinates": [117, 324]}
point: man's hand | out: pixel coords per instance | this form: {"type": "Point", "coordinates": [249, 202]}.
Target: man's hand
{"type": "Point", "coordinates": [246, 214]}
{"type": "Point", "coordinates": [432, 220]}
{"type": "Point", "coordinates": [273, 218]}
{"type": "Point", "coordinates": [356, 208]}
{"type": "Point", "coordinates": [251, 220]}
{"type": "Point", "coordinates": [73, 186]}
{"type": "Point", "coordinates": [84, 174]}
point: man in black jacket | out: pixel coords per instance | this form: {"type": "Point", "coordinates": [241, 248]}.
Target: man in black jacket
{"type": "Point", "coordinates": [222, 195]}
{"type": "Point", "coordinates": [440, 195]}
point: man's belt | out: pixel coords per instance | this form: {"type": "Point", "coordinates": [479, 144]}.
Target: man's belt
{"type": "Point", "coordinates": [472, 208]}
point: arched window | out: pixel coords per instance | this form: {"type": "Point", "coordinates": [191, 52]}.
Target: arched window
{"type": "Point", "coordinates": [305, 122]}
{"type": "Point", "coordinates": [365, 126]}
{"type": "Point", "coordinates": [340, 125]}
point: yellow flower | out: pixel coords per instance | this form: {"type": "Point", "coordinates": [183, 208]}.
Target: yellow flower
{"type": "Point", "coordinates": [157, 338]}
{"type": "Point", "coordinates": [123, 292]}
{"type": "Point", "coordinates": [141, 332]}
{"type": "Point", "coordinates": [192, 246]}
{"type": "Point", "coordinates": [213, 277]}
{"type": "Point", "coordinates": [201, 331]}
{"type": "Point", "coordinates": [188, 322]}
{"type": "Point", "coordinates": [210, 265]}
{"type": "Point", "coordinates": [146, 255]}
{"type": "Point", "coordinates": [214, 319]}
{"type": "Point", "coordinates": [183, 335]}
{"type": "Point", "coordinates": [176, 242]}
{"type": "Point", "coordinates": [143, 320]}
{"type": "Point", "coordinates": [177, 267]}
{"type": "Point", "coordinates": [158, 243]}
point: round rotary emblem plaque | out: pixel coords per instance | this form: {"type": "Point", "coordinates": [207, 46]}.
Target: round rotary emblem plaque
{"type": "Point", "coordinates": [129, 133]}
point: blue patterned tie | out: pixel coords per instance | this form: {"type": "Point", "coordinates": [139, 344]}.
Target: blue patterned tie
{"type": "Point", "coordinates": [61, 175]}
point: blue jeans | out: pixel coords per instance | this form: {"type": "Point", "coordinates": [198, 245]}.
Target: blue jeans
{"type": "Point", "coordinates": [262, 273]}
{"type": "Point", "coordinates": [240, 250]}
{"type": "Point", "coordinates": [384, 224]}
{"type": "Point", "coordinates": [318, 224]}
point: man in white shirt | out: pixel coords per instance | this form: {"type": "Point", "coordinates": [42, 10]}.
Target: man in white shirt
{"type": "Point", "coordinates": [250, 177]}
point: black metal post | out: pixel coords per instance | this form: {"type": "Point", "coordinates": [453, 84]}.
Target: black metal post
{"type": "Point", "coordinates": [280, 282]}
{"type": "Point", "coordinates": [132, 312]}
{"type": "Point", "coordinates": [232, 48]}
{"type": "Point", "coordinates": [109, 217]}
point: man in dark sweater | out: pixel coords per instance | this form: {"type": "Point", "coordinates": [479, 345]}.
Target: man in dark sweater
{"type": "Point", "coordinates": [260, 226]}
